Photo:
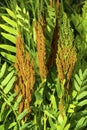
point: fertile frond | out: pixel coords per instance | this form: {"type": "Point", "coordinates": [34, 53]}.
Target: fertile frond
{"type": "Point", "coordinates": [41, 49]}
{"type": "Point", "coordinates": [26, 75]}
{"type": "Point", "coordinates": [66, 54]}
{"type": "Point", "coordinates": [9, 117]}
{"type": "Point", "coordinates": [66, 32]}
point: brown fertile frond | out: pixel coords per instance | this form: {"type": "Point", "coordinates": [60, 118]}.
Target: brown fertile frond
{"type": "Point", "coordinates": [59, 64]}
{"type": "Point", "coordinates": [72, 60]}
{"type": "Point", "coordinates": [41, 49]}
{"type": "Point", "coordinates": [65, 61]}
{"type": "Point", "coordinates": [26, 75]}
{"type": "Point", "coordinates": [51, 3]}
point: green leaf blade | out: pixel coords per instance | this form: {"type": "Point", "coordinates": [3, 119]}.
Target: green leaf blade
{"type": "Point", "coordinates": [9, 37]}
{"type": "Point", "coordinates": [9, 57]}
{"type": "Point", "coordinates": [82, 103]}
{"type": "Point", "coordinates": [3, 69]}
{"type": "Point", "coordinates": [8, 48]}
{"type": "Point", "coordinates": [11, 13]}
{"type": "Point", "coordinates": [22, 115]}
{"type": "Point", "coordinates": [9, 21]}
{"type": "Point", "coordinates": [9, 85]}
{"type": "Point", "coordinates": [82, 95]}
{"type": "Point", "coordinates": [9, 29]}
{"type": "Point", "coordinates": [7, 78]}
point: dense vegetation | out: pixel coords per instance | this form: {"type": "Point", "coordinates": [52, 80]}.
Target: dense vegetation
{"type": "Point", "coordinates": [43, 65]}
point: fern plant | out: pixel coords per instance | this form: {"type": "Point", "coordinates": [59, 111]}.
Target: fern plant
{"type": "Point", "coordinates": [53, 107]}
{"type": "Point", "coordinates": [80, 24]}
{"type": "Point", "coordinates": [78, 107]}
{"type": "Point", "coordinates": [9, 116]}
{"type": "Point", "coordinates": [10, 31]}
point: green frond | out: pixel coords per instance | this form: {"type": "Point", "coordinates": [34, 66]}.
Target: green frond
{"type": "Point", "coordinates": [9, 32]}
{"type": "Point", "coordinates": [79, 116]}
{"type": "Point", "coordinates": [9, 116]}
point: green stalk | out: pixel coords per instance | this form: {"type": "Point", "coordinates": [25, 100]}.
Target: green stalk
{"type": "Point", "coordinates": [35, 121]}
{"type": "Point", "coordinates": [45, 119]}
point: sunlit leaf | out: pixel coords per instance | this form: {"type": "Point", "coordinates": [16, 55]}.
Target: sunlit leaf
{"type": "Point", "coordinates": [82, 103]}
{"type": "Point", "coordinates": [7, 78]}
{"type": "Point", "coordinates": [9, 21]}
{"type": "Point", "coordinates": [8, 47]}
{"type": "Point", "coordinates": [10, 57]}
{"type": "Point", "coordinates": [9, 37]}
{"type": "Point", "coordinates": [82, 95]}
{"type": "Point", "coordinates": [49, 114]}
{"type": "Point", "coordinates": [9, 29]}
{"type": "Point", "coordinates": [12, 125]}
{"type": "Point", "coordinates": [3, 69]}
{"type": "Point", "coordinates": [22, 115]}
{"type": "Point", "coordinates": [11, 13]}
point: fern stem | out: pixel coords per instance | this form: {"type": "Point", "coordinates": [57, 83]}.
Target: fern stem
{"type": "Point", "coordinates": [45, 119]}
{"type": "Point", "coordinates": [35, 121]}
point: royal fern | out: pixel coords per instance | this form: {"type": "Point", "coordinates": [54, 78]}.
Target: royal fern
{"type": "Point", "coordinates": [9, 32]}
{"type": "Point", "coordinates": [9, 117]}
{"type": "Point", "coordinates": [79, 116]}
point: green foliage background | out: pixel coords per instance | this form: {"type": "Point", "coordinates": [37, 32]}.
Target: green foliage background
{"type": "Point", "coordinates": [45, 114]}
